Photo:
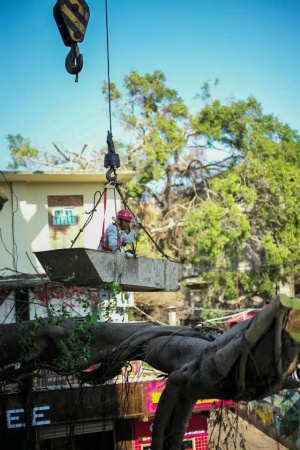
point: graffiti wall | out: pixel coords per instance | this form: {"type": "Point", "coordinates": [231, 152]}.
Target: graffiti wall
{"type": "Point", "coordinates": [278, 416]}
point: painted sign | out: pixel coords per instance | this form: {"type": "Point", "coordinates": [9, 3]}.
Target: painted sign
{"type": "Point", "coordinates": [155, 389]}
{"type": "Point", "coordinates": [197, 425]}
{"type": "Point", "coordinates": [66, 293]}
{"type": "Point", "coordinates": [195, 437]}
{"type": "Point", "coordinates": [15, 418]}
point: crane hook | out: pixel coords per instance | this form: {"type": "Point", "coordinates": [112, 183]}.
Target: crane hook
{"type": "Point", "coordinates": [109, 177]}
{"type": "Point", "coordinates": [74, 61]}
{"type": "Point", "coordinates": [111, 160]}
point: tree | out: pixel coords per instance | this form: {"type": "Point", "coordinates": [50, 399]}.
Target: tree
{"type": "Point", "coordinates": [250, 214]}
{"type": "Point", "coordinates": [252, 360]}
{"type": "Point", "coordinates": [22, 153]}
{"type": "Point", "coordinates": [24, 156]}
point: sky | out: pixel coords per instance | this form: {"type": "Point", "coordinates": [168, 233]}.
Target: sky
{"type": "Point", "coordinates": [252, 46]}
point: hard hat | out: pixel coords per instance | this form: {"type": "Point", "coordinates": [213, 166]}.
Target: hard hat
{"type": "Point", "coordinates": [124, 214]}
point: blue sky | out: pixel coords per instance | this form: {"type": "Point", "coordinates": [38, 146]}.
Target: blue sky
{"type": "Point", "coordinates": [252, 46]}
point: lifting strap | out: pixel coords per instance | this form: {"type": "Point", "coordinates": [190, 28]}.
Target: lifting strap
{"type": "Point", "coordinates": [104, 248]}
{"type": "Point", "coordinates": [103, 223]}
{"type": "Point", "coordinates": [104, 212]}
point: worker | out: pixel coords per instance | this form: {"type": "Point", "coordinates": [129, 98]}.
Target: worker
{"type": "Point", "coordinates": [121, 232]}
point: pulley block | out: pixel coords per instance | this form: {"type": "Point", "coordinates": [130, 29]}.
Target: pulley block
{"type": "Point", "coordinates": [71, 17]}
{"type": "Point", "coordinates": [111, 160]}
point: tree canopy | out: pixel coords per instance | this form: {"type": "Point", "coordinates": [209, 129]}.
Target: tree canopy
{"type": "Point", "coordinates": [235, 217]}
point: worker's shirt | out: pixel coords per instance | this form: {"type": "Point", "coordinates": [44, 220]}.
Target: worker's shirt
{"type": "Point", "coordinates": [115, 239]}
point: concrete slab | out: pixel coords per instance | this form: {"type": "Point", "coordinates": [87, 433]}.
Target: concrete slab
{"type": "Point", "coordinates": [83, 266]}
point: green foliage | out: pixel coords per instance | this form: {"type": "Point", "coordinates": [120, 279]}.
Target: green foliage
{"type": "Point", "coordinates": [157, 116]}
{"type": "Point", "coordinates": [78, 342]}
{"type": "Point", "coordinates": [21, 151]}
{"type": "Point", "coordinates": [76, 345]}
{"type": "Point", "coordinates": [115, 94]}
{"type": "Point", "coordinates": [227, 124]}
{"type": "Point", "coordinates": [251, 214]}
{"type": "Point", "coordinates": [76, 350]}
{"type": "Point", "coordinates": [112, 287]}
{"type": "Point", "coordinates": [206, 90]}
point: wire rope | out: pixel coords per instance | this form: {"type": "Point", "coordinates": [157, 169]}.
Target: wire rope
{"type": "Point", "coordinates": [108, 66]}
{"type": "Point", "coordinates": [90, 215]}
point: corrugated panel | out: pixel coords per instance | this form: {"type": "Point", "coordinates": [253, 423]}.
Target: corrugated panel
{"type": "Point", "coordinates": [79, 428]}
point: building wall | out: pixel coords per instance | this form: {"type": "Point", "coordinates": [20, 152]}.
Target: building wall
{"type": "Point", "coordinates": [25, 223]}
{"type": "Point", "coordinates": [65, 220]}
{"type": "Point", "coordinates": [7, 307]}
{"type": "Point", "coordinates": [6, 241]}
{"type": "Point", "coordinates": [277, 415]}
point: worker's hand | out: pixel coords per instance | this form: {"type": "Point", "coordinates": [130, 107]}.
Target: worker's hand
{"type": "Point", "coordinates": [136, 223]}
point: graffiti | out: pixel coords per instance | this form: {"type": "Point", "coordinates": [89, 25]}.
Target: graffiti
{"type": "Point", "coordinates": [66, 293]}
{"type": "Point", "coordinates": [278, 416]}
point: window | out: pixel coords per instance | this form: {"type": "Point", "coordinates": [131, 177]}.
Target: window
{"type": "Point", "coordinates": [22, 304]}
{"type": "Point", "coordinates": [64, 216]}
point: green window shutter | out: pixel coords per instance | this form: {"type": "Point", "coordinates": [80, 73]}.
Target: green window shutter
{"type": "Point", "coordinates": [64, 217]}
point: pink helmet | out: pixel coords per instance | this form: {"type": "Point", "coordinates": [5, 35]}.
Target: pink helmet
{"type": "Point", "coordinates": [124, 214]}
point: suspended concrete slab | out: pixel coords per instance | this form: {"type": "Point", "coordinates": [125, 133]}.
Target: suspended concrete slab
{"type": "Point", "coordinates": [83, 266]}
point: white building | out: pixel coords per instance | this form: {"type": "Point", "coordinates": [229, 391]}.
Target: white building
{"type": "Point", "coordinates": [46, 211]}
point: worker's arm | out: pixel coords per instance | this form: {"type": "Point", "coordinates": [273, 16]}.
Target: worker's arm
{"type": "Point", "coordinates": [111, 239]}
{"type": "Point", "coordinates": [128, 238]}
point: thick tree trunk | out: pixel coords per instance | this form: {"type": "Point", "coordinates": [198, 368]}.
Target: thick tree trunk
{"type": "Point", "coordinates": [250, 361]}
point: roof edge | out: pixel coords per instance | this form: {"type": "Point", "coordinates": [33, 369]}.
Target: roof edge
{"type": "Point", "coordinates": [63, 176]}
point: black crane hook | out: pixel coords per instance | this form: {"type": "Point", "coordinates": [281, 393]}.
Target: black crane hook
{"type": "Point", "coordinates": [74, 61]}
{"type": "Point", "coordinates": [111, 160]}
{"type": "Point", "coordinates": [109, 177]}
{"type": "Point", "coordinates": [72, 18]}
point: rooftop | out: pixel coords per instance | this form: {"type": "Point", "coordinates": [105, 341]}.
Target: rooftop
{"type": "Point", "coordinates": [63, 176]}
